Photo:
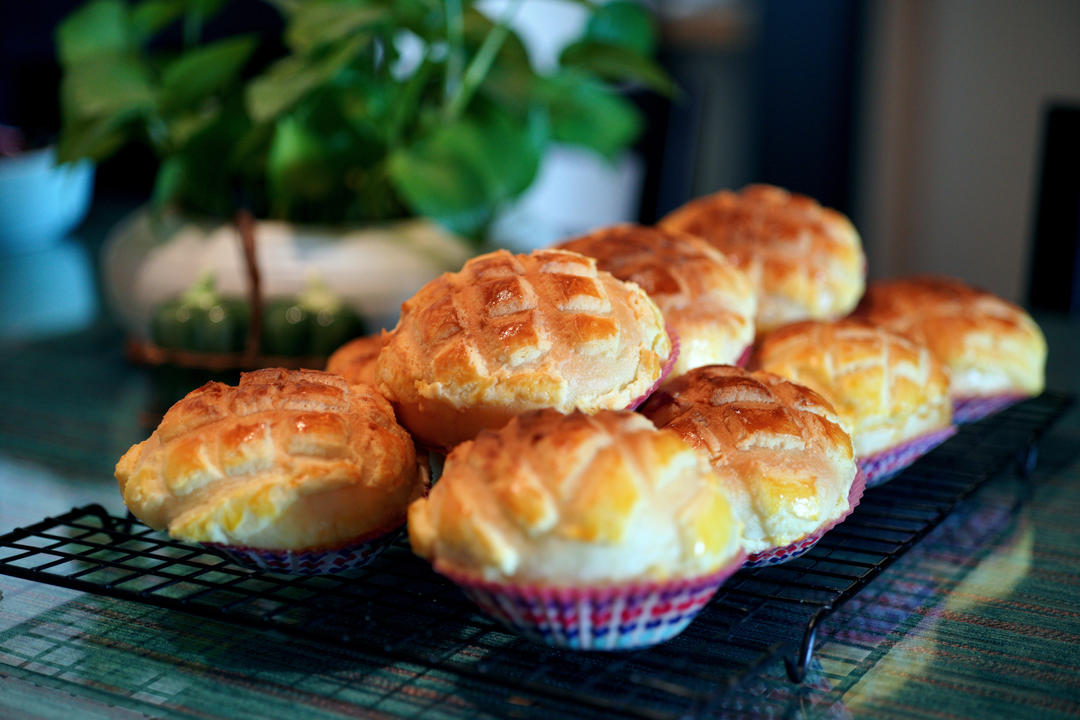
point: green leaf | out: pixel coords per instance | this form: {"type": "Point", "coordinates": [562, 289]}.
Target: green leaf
{"type": "Point", "coordinates": [184, 126]}
{"type": "Point", "coordinates": [105, 85]}
{"type": "Point", "coordinates": [625, 24]}
{"type": "Point", "coordinates": [463, 170]}
{"type": "Point", "coordinates": [512, 88]}
{"type": "Point", "coordinates": [437, 181]}
{"type": "Point", "coordinates": [93, 138]}
{"type": "Point", "coordinates": [296, 167]}
{"type": "Point", "coordinates": [96, 29]}
{"type": "Point", "coordinates": [203, 71]}
{"type": "Point", "coordinates": [424, 18]}
{"type": "Point", "coordinates": [587, 113]}
{"type": "Point", "coordinates": [315, 156]}
{"type": "Point", "coordinates": [169, 181]}
{"type": "Point", "coordinates": [198, 176]}
{"type": "Point", "coordinates": [206, 8]}
{"type": "Point", "coordinates": [323, 22]}
{"type": "Point", "coordinates": [512, 53]}
{"type": "Point", "coordinates": [291, 78]}
{"type": "Point", "coordinates": [151, 16]}
{"type": "Point", "coordinates": [613, 62]}
{"type": "Point", "coordinates": [510, 80]}
{"type": "Point", "coordinates": [248, 153]}
{"type": "Point", "coordinates": [366, 101]}
{"type": "Point", "coordinates": [510, 150]}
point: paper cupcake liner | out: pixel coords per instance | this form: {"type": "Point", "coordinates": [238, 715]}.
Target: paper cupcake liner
{"type": "Point", "coordinates": [621, 617]}
{"type": "Point", "coordinates": [883, 466]}
{"type": "Point", "coordinates": [775, 556]}
{"type": "Point", "coordinates": [744, 359]}
{"type": "Point", "coordinates": [664, 372]}
{"type": "Point", "coordinates": [970, 409]}
{"type": "Point", "coordinates": [308, 562]}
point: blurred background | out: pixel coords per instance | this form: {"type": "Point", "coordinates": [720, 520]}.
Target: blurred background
{"type": "Point", "coordinates": [946, 129]}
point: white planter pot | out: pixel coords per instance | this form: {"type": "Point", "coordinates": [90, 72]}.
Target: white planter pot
{"type": "Point", "coordinates": [148, 260]}
{"type": "Point", "coordinates": [576, 191]}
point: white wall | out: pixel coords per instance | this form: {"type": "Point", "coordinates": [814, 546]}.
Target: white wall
{"type": "Point", "coordinates": [952, 128]}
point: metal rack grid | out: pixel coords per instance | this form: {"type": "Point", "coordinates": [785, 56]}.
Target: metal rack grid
{"type": "Point", "coordinates": [398, 611]}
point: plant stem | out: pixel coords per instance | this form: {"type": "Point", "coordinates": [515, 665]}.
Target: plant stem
{"type": "Point", "coordinates": [408, 101]}
{"type": "Point", "coordinates": [455, 37]}
{"type": "Point", "coordinates": [481, 63]}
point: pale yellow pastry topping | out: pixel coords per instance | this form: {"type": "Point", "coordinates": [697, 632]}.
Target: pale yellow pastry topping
{"type": "Point", "coordinates": [779, 449]}
{"type": "Point", "coordinates": [886, 388]}
{"type": "Point", "coordinates": [708, 302]}
{"type": "Point", "coordinates": [988, 345]}
{"type": "Point", "coordinates": [806, 261]}
{"type": "Point", "coordinates": [287, 460]}
{"type": "Point", "coordinates": [575, 499]}
{"type": "Point", "coordinates": [510, 333]}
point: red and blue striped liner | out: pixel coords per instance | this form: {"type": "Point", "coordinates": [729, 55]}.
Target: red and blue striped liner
{"type": "Point", "coordinates": [775, 556]}
{"type": "Point", "coordinates": [669, 364]}
{"type": "Point", "coordinates": [308, 562]}
{"type": "Point", "coordinates": [883, 466]}
{"type": "Point", "coordinates": [970, 409]}
{"type": "Point", "coordinates": [617, 617]}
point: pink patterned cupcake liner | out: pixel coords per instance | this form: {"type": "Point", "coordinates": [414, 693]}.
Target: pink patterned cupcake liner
{"type": "Point", "coordinates": [883, 466]}
{"type": "Point", "coordinates": [970, 409]}
{"type": "Point", "coordinates": [308, 562]}
{"type": "Point", "coordinates": [618, 617]}
{"type": "Point", "coordinates": [744, 359]}
{"type": "Point", "coordinates": [775, 556]}
{"type": "Point", "coordinates": [664, 372]}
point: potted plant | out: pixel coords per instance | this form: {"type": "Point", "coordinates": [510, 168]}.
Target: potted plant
{"type": "Point", "coordinates": [389, 128]}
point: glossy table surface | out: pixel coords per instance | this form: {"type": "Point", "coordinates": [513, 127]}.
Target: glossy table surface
{"type": "Point", "coordinates": [980, 619]}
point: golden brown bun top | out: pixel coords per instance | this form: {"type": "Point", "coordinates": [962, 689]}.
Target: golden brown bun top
{"type": "Point", "coordinates": [707, 301]}
{"type": "Point", "coordinates": [510, 333]}
{"type": "Point", "coordinates": [566, 499]}
{"type": "Point", "coordinates": [355, 360]}
{"type": "Point", "coordinates": [989, 345]}
{"type": "Point", "coordinates": [806, 260]}
{"type": "Point", "coordinates": [885, 387]}
{"type": "Point", "coordinates": [778, 447]}
{"type": "Point", "coordinates": [289, 459]}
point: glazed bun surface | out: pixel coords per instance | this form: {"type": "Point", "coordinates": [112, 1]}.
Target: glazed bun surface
{"type": "Point", "coordinates": [575, 499]}
{"type": "Point", "coordinates": [806, 261]}
{"type": "Point", "coordinates": [779, 449]}
{"type": "Point", "coordinates": [511, 333]}
{"type": "Point", "coordinates": [355, 360]}
{"type": "Point", "coordinates": [287, 460]}
{"type": "Point", "coordinates": [886, 388]}
{"type": "Point", "coordinates": [989, 345]}
{"type": "Point", "coordinates": [707, 302]}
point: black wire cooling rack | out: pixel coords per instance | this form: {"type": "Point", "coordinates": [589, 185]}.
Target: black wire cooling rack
{"type": "Point", "coordinates": [398, 611]}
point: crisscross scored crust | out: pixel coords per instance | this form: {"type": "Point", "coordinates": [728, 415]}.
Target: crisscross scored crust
{"type": "Point", "coordinates": [569, 499]}
{"type": "Point", "coordinates": [287, 460]}
{"type": "Point", "coordinates": [355, 360]}
{"type": "Point", "coordinates": [805, 260]}
{"type": "Point", "coordinates": [510, 333]}
{"type": "Point", "coordinates": [886, 388]}
{"type": "Point", "coordinates": [707, 301]}
{"type": "Point", "coordinates": [779, 449]}
{"type": "Point", "coordinates": [989, 345]}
